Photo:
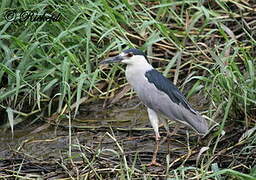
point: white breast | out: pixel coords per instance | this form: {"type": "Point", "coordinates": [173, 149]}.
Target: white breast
{"type": "Point", "coordinates": [135, 75]}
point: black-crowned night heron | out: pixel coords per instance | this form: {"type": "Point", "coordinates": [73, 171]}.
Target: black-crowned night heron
{"type": "Point", "coordinates": [158, 94]}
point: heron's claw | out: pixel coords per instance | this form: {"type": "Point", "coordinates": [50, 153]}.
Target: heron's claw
{"type": "Point", "coordinates": [153, 163]}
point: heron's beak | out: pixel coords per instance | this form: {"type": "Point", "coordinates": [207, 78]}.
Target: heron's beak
{"type": "Point", "coordinates": [114, 59]}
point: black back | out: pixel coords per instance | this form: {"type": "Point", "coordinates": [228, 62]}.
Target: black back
{"type": "Point", "coordinates": [163, 84]}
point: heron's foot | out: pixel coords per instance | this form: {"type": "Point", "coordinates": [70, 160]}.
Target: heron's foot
{"type": "Point", "coordinates": [153, 163]}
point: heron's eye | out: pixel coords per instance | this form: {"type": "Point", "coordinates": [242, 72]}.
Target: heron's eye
{"type": "Point", "coordinates": [130, 54]}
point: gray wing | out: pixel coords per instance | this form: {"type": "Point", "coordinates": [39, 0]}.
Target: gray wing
{"type": "Point", "coordinates": [162, 96]}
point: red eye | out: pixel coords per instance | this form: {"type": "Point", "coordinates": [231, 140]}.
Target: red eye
{"type": "Point", "coordinates": [130, 54]}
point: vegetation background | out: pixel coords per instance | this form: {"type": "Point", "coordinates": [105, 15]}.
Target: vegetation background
{"type": "Point", "coordinates": [48, 69]}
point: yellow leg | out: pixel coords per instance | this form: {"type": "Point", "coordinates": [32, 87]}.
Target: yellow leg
{"type": "Point", "coordinates": [154, 122]}
{"type": "Point", "coordinates": [156, 148]}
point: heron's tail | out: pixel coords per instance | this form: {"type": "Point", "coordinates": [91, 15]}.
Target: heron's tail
{"type": "Point", "coordinates": [198, 123]}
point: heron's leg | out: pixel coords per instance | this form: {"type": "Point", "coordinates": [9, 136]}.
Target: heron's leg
{"type": "Point", "coordinates": [169, 134]}
{"type": "Point", "coordinates": [154, 122]}
{"type": "Point", "coordinates": [166, 126]}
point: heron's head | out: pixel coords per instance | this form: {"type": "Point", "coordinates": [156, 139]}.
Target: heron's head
{"type": "Point", "coordinates": [130, 56]}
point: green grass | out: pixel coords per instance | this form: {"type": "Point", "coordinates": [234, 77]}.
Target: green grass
{"type": "Point", "coordinates": [51, 68]}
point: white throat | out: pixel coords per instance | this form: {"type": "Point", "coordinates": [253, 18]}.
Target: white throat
{"type": "Point", "coordinates": [136, 69]}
